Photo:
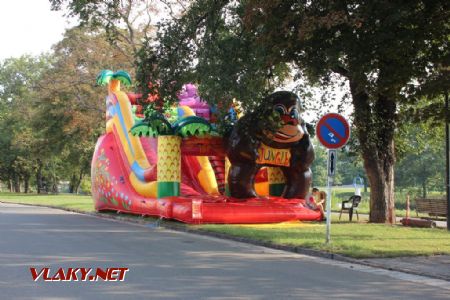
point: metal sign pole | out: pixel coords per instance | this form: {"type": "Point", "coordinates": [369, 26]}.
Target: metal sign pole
{"type": "Point", "coordinates": [333, 132]}
{"type": "Point", "coordinates": [329, 185]}
{"type": "Point", "coordinates": [332, 158]}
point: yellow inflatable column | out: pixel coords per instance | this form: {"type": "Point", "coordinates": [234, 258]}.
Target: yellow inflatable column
{"type": "Point", "coordinates": [169, 166]}
{"type": "Point", "coordinates": [262, 188]}
{"type": "Point", "coordinates": [276, 181]}
{"type": "Point", "coordinates": [207, 177]}
{"type": "Point", "coordinates": [227, 170]}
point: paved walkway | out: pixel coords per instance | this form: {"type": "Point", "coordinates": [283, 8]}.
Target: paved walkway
{"type": "Point", "coordinates": [437, 266]}
{"type": "Point", "coordinates": [166, 264]}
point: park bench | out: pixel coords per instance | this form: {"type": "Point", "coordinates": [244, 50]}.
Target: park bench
{"type": "Point", "coordinates": [433, 207]}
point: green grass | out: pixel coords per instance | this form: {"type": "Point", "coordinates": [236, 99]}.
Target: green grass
{"type": "Point", "coordinates": [358, 240]}
{"type": "Point", "coordinates": [351, 239]}
{"type": "Point", "coordinates": [340, 194]}
{"type": "Point", "coordinates": [67, 201]}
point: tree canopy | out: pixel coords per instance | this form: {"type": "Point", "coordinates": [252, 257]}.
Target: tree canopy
{"type": "Point", "coordinates": [390, 53]}
{"type": "Point", "coordinates": [18, 88]}
{"type": "Point", "coordinates": [50, 112]}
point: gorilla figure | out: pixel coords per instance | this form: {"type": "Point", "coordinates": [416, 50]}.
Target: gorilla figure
{"type": "Point", "coordinates": [291, 141]}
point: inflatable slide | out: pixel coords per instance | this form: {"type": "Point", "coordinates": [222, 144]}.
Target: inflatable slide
{"type": "Point", "coordinates": [175, 176]}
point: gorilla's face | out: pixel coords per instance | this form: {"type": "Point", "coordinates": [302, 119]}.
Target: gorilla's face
{"type": "Point", "coordinates": [287, 105]}
{"type": "Point", "coordinates": [291, 131]}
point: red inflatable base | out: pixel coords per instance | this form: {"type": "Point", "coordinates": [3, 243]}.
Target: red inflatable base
{"type": "Point", "coordinates": [112, 190]}
{"type": "Point", "coordinates": [223, 210]}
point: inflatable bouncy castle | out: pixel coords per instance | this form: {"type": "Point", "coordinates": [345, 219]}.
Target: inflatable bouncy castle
{"type": "Point", "coordinates": [175, 166]}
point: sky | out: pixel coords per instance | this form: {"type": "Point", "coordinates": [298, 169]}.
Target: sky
{"type": "Point", "coordinates": [29, 27]}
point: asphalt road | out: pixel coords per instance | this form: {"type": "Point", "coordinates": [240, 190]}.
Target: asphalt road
{"type": "Point", "coordinates": [164, 264]}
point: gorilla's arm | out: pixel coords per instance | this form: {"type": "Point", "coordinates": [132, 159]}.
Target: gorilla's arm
{"type": "Point", "coordinates": [242, 153]}
{"type": "Point", "coordinates": [298, 175]}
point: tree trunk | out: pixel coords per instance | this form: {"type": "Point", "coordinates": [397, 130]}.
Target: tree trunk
{"type": "Point", "coordinates": [72, 184]}
{"type": "Point", "coordinates": [16, 183]}
{"type": "Point", "coordinates": [75, 182]}
{"type": "Point", "coordinates": [80, 178]}
{"type": "Point", "coordinates": [26, 184]}
{"type": "Point", "coordinates": [10, 185]}
{"type": "Point", "coordinates": [375, 125]}
{"type": "Point", "coordinates": [424, 189]}
{"type": "Point", "coordinates": [55, 189]}
{"type": "Point", "coordinates": [381, 178]}
{"type": "Point", "coordinates": [39, 186]}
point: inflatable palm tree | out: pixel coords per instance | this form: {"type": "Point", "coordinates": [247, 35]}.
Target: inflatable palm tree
{"type": "Point", "coordinates": [155, 124]}
{"type": "Point", "coordinates": [113, 79]}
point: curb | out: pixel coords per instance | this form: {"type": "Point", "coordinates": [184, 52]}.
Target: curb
{"type": "Point", "coordinates": [159, 223]}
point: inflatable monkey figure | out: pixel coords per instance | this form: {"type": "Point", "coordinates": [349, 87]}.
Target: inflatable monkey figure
{"type": "Point", "coordinates": [289, 148]}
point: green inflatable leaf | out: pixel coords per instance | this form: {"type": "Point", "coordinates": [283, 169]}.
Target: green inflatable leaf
{"type": "Point", "coordinates": [153, 126]}
{"type": "Point", "coordinates": [143, 128]}
{"type": "Point", "coordinates": [104, 77]}
{"type": "Point", "coordinates": [123, 77]}
{"type": "Point", "coordinates": [162, 128]}
{"type": "Point", "coordinates": [192, 126]}
{"type": "Point", "coordinates": [197, 130]}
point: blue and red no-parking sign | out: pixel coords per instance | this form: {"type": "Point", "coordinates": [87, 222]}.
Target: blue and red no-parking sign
{"type": "Point", "coordinates": [333, 131]}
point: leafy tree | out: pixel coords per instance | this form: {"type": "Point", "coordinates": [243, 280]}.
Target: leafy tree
{"type": "Point", "coordinates": [18, 80]}
{"type": "Point", "coordinates": [319, 166]}
{"type": "Point", "coordinates": [348, 166]}
{"type": "Point", "coordinates": [50, 113]}
{"type": "Point", "coordinates": [208, 45]}
{"type": "Point", "coordinates": [124, 21]}
{"type": "Point", "coordinates": [422, 161]}
{"type": "Point", "coordinates": [70, 110]}
{"type": "Point", "coordinates": [388, 52]}
{"type": "Point", "coordinates": [350, 161]}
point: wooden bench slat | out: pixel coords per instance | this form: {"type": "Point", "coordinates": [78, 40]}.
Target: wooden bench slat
{"type": "Point", "coordinates": [433, 207]}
